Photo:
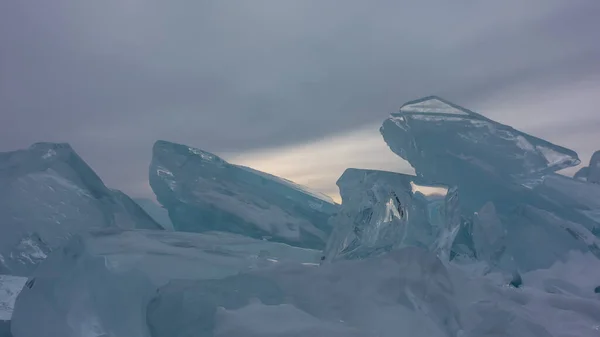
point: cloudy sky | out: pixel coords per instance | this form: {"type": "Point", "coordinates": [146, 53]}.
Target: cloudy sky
{"type": "Point", "coordinates": [297, 88]}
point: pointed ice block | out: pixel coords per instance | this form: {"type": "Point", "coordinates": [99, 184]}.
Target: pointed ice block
{"type": "Point", "coordinates": [48, 193]}
{"type": "Point", "coordinates": [450, 144]}
{"type": "Point", "coordinates": [99, 283]}
{"type": "Point", "coordinates": [203, 192]}
{"type": "Point", "coordinates": [382, 211]}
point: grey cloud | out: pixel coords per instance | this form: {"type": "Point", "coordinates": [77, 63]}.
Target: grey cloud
{"type": "Point", "coordinates": [110, 77]}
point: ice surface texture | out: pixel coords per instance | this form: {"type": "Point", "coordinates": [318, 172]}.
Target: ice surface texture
{"type": "Point", "coordinates": [99, 283]}
{"type": "Point", "coordinates": [382, 211]}
{"type": "Point", "coordinates": [47, 193]}
{"type": "Point", "coordinates": [408, 291]}
{"type": "Point", "coordinates": [202, 192]}
{"type": "Point", "coordinates": [403, 291]}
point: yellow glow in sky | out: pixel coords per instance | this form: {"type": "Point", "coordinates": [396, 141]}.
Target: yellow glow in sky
{"type": "Point", "coordinates": [319, 164]}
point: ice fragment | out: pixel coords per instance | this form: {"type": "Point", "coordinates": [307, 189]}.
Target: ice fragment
{"type": "Point", "coordinates": [202, 192]}
{"type": "Point", "coordinates": [48, 193]}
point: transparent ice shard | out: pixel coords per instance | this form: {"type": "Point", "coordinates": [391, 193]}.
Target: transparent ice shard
{"type": "Point", "coordinates": [202, 192]}
{"type": "Point", "coordinates": [382, 211]}
{"type": "Point", "coordinates": [455, 148]}
{"type": "Point", "coordinates": [100, 283]}
{"type": "Point", "coordinates": [49, 193]}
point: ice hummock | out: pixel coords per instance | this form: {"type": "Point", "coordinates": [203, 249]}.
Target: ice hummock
{"type": "Point", "coordinates": [49, 193]}
{"type": "Point", "coordinates": [408, 290]}
{"type": "Point", "coordinates": [202, 192]}
{"type": "Point", "coordinates": [99, 283]}
{"type": "Point", "coordinates": [382, 211]}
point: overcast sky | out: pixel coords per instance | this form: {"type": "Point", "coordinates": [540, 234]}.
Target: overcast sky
{"type": "Point", "coordinates": [297, 88]}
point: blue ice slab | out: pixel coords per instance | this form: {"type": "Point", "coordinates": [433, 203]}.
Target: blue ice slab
{"type": "Point", "coordinates": [48, 193]}
{"type": "Point", "coordinates": [382, 211]}
{"type": "Point", "coordinates": [449, 144]}
{"type": "Point", "coordinates": [202, 192]}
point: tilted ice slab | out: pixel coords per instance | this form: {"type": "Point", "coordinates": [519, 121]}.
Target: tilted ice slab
{"type": "Point", "coordinates": [382, 211]}
{"type": "Point", "coordinates": [99, 283]}
{"type": "Point", "coordinates": [449, 144]}
{"type": "Point", "coordinates": [408, 291]}
{"type": "Point", "coordinates": [202, 192]}
{"type": "Point", "coordinates": [47, 193]}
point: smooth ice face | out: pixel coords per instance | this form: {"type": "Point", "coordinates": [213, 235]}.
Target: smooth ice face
{"type": "Point", "coordinates": [452, 145]}
{"type": "Point", "coordinates": [407, 290]}
{"type": "Point", "coordinates": [100, 283]}
{"type": "Point", "coordinates": [202, 192]}
{"type": "Point", "coordinates": [47, 193]}
{"type": "Point", "coordinates": [382, 211]}
{"type": "Point", "coordinates": [156, 211]}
